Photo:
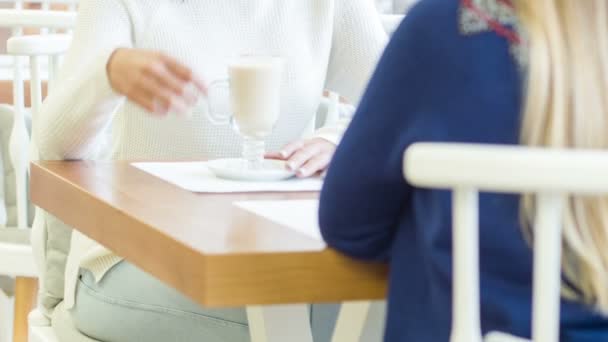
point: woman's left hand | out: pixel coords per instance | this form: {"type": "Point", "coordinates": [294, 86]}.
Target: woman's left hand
{"type": "Point", "coordinates": [306, 157]}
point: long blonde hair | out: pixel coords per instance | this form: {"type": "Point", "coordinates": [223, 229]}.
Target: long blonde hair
{"type": "Point", "coordinates": [567, 107]}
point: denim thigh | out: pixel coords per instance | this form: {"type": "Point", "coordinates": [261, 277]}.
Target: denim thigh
{"type": "Point", "coordinates": [128, 305]}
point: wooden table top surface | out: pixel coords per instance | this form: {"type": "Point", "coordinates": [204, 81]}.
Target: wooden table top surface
{"type": "Point", "coordinates": [201, 244]}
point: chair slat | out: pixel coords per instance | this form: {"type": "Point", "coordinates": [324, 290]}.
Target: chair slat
{"type": "Point", "coordinates": [547, 267]}
{"type": "Point", "coordinates": [19, 145]}
{"type": "Point", "coordinates": [465, 312]}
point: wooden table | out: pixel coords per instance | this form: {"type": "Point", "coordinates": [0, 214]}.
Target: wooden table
{"type": "Point", "coordinates": [201, 244]}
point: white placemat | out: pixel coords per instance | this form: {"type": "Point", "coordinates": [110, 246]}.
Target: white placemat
{"type": "Point", "coordinates": [299, 215]}
{"type": "Point", "coordinates": [196, 177]}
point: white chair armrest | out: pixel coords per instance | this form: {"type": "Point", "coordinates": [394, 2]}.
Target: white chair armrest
{"type": "Point", "coordinates": [13, 18]}
{"type": "Point", "coordinates": [39, 45]}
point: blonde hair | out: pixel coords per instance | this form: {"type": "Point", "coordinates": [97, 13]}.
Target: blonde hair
{"type": "Point", "coordinates": [567, 107]}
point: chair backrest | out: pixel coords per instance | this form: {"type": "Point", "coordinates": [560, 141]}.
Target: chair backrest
{"type": "Point", "coordinates": [35, 47]}
{"type": "Point", "coordinates": [551, 174]}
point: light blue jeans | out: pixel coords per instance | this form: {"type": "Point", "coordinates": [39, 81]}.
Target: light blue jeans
{"type": "Point", "coordinates": [128, 305]}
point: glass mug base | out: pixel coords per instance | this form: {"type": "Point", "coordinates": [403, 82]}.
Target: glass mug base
{"type": "Point", "coordinates": [253, 152]}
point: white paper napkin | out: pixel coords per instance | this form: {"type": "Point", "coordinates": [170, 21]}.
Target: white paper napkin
{"type": "Point", "coordinates": [196, 177]}
{"type": "Point", "coordinates": [299, 215]}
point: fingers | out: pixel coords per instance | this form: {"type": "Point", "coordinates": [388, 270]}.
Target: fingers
{"type": "Point", "coordinates": [306, 157]}
{"type": "Point", "coordinates": [301, 156]}
{"type": "Point", "coordinates": [156, 99]}
{"type": "Point", "coordinates": [146, 101]}
{"type": "Point", "coordinates": [156, 82]}
{"type": "Point", "coordinates": [274, 155]}
{"type": "Point", "coordinates": [317, 163]}
{"type": "Point", "coordinates": [184, 73]}
{"type": "Point", "coordinates": [167, 80]}
{"type": "Point", "coordinates": [288, 151]}
{"type": "Point", "coordinates": [171, 92]}
{"type": "Point", "coordinates": [177, 68]}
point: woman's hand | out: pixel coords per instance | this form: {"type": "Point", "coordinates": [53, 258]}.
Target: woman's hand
{"type": "Point", "coordinates": [154, 81]}
{"type": "Point", "coordinates": [306, 157]}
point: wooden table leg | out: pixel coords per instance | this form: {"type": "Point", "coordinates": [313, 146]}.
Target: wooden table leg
{"type": "Point", "coordinates": [26, 291]}
{"type": "Point", "coordinates": [279, 323]}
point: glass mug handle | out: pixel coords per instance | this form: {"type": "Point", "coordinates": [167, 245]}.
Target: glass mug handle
{"type": "Point", "coordinates": [215, 115]}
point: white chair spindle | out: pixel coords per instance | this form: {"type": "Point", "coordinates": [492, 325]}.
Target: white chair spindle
{"type": "Point", "coordinates": [19, 145]}
{"type": "Point", "coordinates": [35, 85]}
{"type": "Point", "coordinates": [45, 6]}
{"type": "Point", "coordinates": [547, 267]}
{"type": "Point", "coordinates": [36, 100]}
{"type": "Point", "coordinates": [53, 68]}
{"type": "Point", "coordinates": [465, 311]}
{"type": "Point", "coordinates": [50, 72]}
{"type": "Point", "coordinates": [17, 31]}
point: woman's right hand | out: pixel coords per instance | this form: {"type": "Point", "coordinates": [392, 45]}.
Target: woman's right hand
{"type": "Point", "coordinates": [154, 81]}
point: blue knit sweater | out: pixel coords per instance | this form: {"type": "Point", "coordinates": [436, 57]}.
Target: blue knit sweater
{"type": "Point", "coordinates": [436, 84]}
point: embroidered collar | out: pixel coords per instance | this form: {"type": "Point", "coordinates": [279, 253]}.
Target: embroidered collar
{"type": "Point", "coordinates": [499, 16]}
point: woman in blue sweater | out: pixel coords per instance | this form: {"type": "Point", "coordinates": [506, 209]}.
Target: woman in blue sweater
{"type": "Point", "coordinates": [528, 72]}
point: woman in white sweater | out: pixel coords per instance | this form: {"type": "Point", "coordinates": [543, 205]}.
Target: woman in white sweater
{"type": "Point", "coordinates": [133, 64]}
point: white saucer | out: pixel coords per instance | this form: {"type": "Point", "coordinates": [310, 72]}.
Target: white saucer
{"type": "Point", "coordinates": [236, 169]}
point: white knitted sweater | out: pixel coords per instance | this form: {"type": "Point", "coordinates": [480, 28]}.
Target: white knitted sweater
{"type": "Point", "coordinates": [327, 44]}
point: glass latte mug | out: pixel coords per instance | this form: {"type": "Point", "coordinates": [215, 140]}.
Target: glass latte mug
{"type": "Point", "coordinates": [254, 85]}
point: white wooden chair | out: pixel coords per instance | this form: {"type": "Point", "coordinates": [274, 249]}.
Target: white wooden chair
{"type": "Point", "coordinates": [35, 47]}
{"type": "Point", "coordinates": [16, 257]}
{"type": "Point", "coordinates": [550, 174]}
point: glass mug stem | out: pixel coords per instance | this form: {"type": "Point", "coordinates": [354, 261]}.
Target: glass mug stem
{"type": "Point", "coordinates": [253, 148]}
{"type": "Point", "coordinates": [253, 152]}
